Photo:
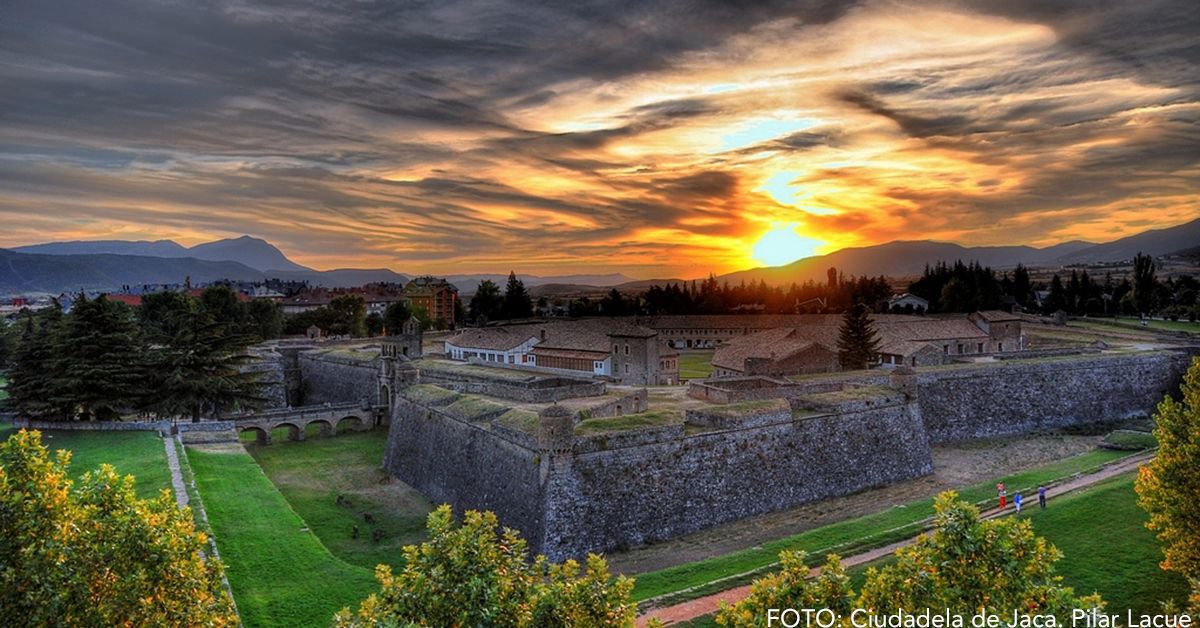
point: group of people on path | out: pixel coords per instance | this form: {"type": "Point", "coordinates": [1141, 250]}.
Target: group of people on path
{"type": "Point", "coordinates": [1017, 498]}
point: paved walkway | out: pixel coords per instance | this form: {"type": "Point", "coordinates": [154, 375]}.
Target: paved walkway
{"type": "Point", "coordinates": [181, 496]}
{"type": "Point", "coordinates": [710, 603]}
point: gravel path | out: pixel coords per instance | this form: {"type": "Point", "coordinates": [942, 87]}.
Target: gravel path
{"type": "Point", "coordinates": [710, 604]}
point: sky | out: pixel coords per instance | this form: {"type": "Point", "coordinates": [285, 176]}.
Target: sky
{"type": "Point", "coordinates": [653, 138]}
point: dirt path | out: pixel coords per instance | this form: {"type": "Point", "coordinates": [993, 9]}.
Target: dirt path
{"type": "Point", "coordinates": [709, 604]}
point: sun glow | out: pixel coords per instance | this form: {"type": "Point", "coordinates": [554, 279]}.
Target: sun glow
{"type": "Point", "coordinates": [783, 246]}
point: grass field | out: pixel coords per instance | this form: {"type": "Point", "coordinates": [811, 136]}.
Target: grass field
{"type": "Point", "coordinates": [1133, 324]}
{"type": "Point", "coordinates": [1106, 549]}
{"type": "Point", "coordinates": [852, 536]}
{"type": "Point", "coordinates": [140, 454]}
{"type": "Point", "coordinates": [695, 364]}
{"type": "Point", "coordinates": [311, 474]}
{"type": "Point", "coordinates": [3, 385]}
{"type": "Point", "coordinates": [280, 573]}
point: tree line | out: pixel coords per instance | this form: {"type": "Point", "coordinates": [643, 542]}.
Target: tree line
{"type": "Point", "coordinates": [971, 287]}
{"type": "Point", "coordinates": [172, 357]}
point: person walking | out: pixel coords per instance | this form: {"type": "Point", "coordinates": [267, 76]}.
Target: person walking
{"type": "Point", "coordinates": [1003, 494]}
{"type": "Point", "coordinates": [1017, 502]}
{"type": "Point", "coordinates": [1042, 497]}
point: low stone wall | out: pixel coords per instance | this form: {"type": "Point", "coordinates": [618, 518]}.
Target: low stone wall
{"type": "Point", "coordinates": [543, 390]}
{"type": "Point", "coordinates": [639, 401]}
{"type": "Point", "coordinates": [123, 426]}
{"type": "Point", "coordinates": [726, 390]}
{"type": "Point", "coordinates": [94, 426]}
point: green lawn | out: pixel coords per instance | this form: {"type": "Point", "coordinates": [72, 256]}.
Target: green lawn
{"type": "Point", "coordinates": [1133, 324]}
{"type": "Point", "coordinates": [850, 537]}
{"type": "Point", "coordinates": [140, 454]}
{"type": "Point", "coordinates": [1105, 544]}
{"type": "Point", "coordinates": [280, 573]}
{"type": "Point", "coordinates": [1107, 548]}
{"type": "Point", "coordinates": [311, 474]}
{"type": "Point", "coordinates": [695, 364]}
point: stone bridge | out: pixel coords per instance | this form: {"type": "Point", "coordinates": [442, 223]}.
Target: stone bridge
{"type": "Point", "coordinates": [357, 416]}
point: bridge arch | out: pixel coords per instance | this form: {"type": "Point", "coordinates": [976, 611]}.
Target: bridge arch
{"type": "Point", "coordinates": [349, 423]}
{"type": "Point", "coordinates": [261, 436]}
{"type": "Point", "coordinates": [324, 427]}
{"type": "Point", "coordinates": [295, 433]}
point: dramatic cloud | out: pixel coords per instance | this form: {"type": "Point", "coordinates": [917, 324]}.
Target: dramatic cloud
{"type": "Point", "coordinates": [653, 138]}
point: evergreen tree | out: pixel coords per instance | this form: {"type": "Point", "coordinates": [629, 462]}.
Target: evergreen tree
{"type": "Point", "coordinates": [1021, 286]}
{"type": "Point", "coordinates": [1057, 299]}
{"type": "Point", "coordinates": [33, 381]}
{"type": "Point", "coordinates": [264, 318]}
{"type": "Point", "coordinates": [221, 302]}
{"type": "Point", "coordinates": [1144, 283]}
{"type": "Point", "coordinates": [517, 302]}
{"type": "Point", "coordinates": [858, 342]}
{"type": "Point", "coordinates": [101, 359]}
{"type": "Point", "coordinates": [158, 308]}
{"type": "Point", "coordinates": [486, 302]}
{"type": "Point", "coordinates": [201, 367]}
{"type": "Point", "coordinates": [8, 343]}
{"type": "Point", "coordinates": [374, 324]}
{"type": "Point", "coordinates": [394, 317]}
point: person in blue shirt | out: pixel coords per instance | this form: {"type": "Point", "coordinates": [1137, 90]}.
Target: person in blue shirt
{"type": "Point", "coordinates": [1017, 501]}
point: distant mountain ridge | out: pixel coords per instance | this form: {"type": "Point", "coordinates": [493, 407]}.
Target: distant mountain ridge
{"type": "Point", "coordinates": [56, 267]}
{"type": "Point", "coordinates": [255, 253]}
{"type": "Point", "coordinates": [1155, 242]}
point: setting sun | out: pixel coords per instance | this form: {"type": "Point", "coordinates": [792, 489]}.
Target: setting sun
{"type": "Point", "coordinates": [783, 246]}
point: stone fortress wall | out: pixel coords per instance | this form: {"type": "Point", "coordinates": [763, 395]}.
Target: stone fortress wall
{"type": "Point", "coordinates": [571, 494]}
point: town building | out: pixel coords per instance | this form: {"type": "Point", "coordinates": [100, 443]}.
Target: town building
{"type": "Point", "coordinates": [435, 296]}
{"type": "Point", "coordinates": [610, 347]}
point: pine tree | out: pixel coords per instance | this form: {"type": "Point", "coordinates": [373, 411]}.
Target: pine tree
{"type": "Point", "coordinates": [517, 302]}
{"type": "Point", "coordinates": [486, 302]}
{"type": "Point", "coordinates": [101, 359]}
{"type": "Point", "coordinates": [858, 342]}
{"type": "Point", "coordinates": [32, 378]}
{"type": "Point", "coordinates": [200, 368]}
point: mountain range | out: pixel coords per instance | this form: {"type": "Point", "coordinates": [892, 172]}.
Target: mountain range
{"type": "Point", "coordinates": [56, 267]}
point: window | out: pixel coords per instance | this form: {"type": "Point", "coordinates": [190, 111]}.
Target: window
{"type": "Point", "coordinates": [626, 349]}
{"type": "Point", "coordinates": [980, 348]}
{"type": "Point", "coordinates": [614, 349]}
{"type": "Point", "coordinates": [1000, 347]}
{"type": "Point", "coordinates": [626, 369]}
{"type": "Point", "coordinates": [960, 349]}
{"type": "Point", "coordinates": [946, 349]}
